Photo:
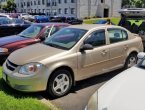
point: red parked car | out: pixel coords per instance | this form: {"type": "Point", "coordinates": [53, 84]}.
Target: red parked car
{"type": "Point", "coordinates": [33, 34]}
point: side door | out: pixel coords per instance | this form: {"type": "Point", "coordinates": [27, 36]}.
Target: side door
{"type": "Point", "coordinates": [118, 47]}
{"type": "Point", "coordinates": [95, 61]}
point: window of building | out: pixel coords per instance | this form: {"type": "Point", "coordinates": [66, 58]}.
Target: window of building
{"type": "Point", "coordinates": [59, 11]}
{"type": "Point", "coordinates": [97, 38]}
{"type": "Point", "coordinates": [43, 10]}
{"type": "Point", "coordinates": [66, 11]}
{"type": "Point", "coordinates": [117, 35]}
{"type": "Point", "coordinates": [54, 12]}
{"type": "Point", "coordinates": [72, 1]}
{"type": "Point", "coordinates": [59, 1]}
{"type": "Point", "coordinates": [31, 3]}
{"type": "Point", "coordinates": [102, 1]}
{"type": "Point", "coordinates": [43, 2]}
{"type": "Point", "coordinates": [38, 2]}
{"type": "Point", "coordinates": [34, 2]}
{"type": "Point", "coordinates": [65, 1]}
{"type": "Point", "coordinates": [24, 3]}
{"type": "Point", "coordinates": [72, 11]}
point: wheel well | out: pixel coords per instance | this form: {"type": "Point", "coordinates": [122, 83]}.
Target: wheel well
{"type": "Point", "coordinates": [67, 68]}
{"type": "Point", "coordinates": [134, 52]}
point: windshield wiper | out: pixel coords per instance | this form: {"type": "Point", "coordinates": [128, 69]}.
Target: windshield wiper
{"type": "Point", "coordinates": [22, 36]}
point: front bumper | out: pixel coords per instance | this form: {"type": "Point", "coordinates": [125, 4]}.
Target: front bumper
{"type": "Point", "coordinates": [33, 83]}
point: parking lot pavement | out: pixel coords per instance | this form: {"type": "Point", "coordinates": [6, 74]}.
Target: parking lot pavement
{"type": "Point", "coordinates": [81, 93]}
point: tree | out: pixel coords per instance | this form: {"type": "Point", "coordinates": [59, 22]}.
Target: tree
{"type": "Point", "coordinates": [9, 6]}
{"type": "Point", "coordinates": [138, 4]}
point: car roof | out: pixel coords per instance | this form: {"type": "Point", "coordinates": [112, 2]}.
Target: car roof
{"type": "Point", "coordinates": [91, 26]}
{"type": "Point", "coordinates": [135, 12]}
{"type": "Point", "coordinates": [50, 24]}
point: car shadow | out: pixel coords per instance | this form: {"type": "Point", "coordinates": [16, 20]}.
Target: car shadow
{"type": "Point", "coordinates": [88, 82]}
{"type": "Point", "coordinates": [14, 93]}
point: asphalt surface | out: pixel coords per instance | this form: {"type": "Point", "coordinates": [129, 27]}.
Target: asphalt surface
{"type": "Point", "coordinates": [79, 96]}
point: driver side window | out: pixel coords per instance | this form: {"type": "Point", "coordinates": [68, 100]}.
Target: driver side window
{"type": "Point", "coordinates": [97, 38]}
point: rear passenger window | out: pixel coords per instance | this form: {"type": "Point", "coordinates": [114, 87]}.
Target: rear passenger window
{"type": "Point", "coordinates": [117, 35]}
{"type": "Point", "coordinates": [97, 38]}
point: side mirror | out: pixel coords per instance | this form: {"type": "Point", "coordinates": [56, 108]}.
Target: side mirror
{"type": "Point", "coordinates": [86, 47]}
{"type": "Point", "coordinates": [140, 56]}
{"type": "Point", "coordinates": [44, 36]}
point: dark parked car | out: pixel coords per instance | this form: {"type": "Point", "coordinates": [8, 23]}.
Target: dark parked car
{"type": "Point", "coordinates": [12, 26]}
{"type": "Point", "coordinates": [33, 34]}
{"type": "Point", "coordinates": [70, 20]}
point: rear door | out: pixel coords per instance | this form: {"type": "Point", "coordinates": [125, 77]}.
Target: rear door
{"type": "Point", "coordinates": [118, 46]}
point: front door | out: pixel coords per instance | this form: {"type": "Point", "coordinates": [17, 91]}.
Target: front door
{"type": "Point", "coordinates": [92, 62]}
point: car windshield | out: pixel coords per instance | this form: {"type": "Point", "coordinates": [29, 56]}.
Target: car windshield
{"type": "Point", "coordinates": [66, 38]}
{"type": "Point", "coordinates": [18, 21]}
{"type": "Point", "coordinates": [31, 31]}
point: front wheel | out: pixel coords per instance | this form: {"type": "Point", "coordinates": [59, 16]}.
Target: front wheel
{"type": "Point", "coordinates": [59, 83]}
{"type": "Point", "coordinates": [130, 61]}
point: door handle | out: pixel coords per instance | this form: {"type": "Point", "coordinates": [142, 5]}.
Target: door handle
{"type": "Point", "coordinates": [104, 52]}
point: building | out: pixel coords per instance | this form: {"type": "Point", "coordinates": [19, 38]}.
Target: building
{"type": "Point", "coordinates": [77, 8]}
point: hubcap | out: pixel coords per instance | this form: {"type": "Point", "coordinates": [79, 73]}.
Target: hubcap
{"type": "Point", "coordinates": [61, 84]}
{"type": "Point", "coordinates": [131, 62]}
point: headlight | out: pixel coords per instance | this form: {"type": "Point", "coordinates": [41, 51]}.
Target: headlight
{"type": "Point", "coordinates": [31, 68]}
{"type": "Point", "coordinates": [93, 102]}
{"type": "Point", "coordinates": [3, 50]}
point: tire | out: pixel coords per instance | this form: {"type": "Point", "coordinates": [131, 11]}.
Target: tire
{"type": "Point", "coordinates": [130, 61]}
{"type": "Point", "coordinates": [59, 83]}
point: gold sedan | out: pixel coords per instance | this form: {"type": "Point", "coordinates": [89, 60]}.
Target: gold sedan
{"type": "Point", "coordinates": [73, 53]}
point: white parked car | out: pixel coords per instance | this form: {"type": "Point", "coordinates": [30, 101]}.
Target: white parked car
{"type": "Point", "coordinates": [4, 15]}
{"type": "Point", "coordinates": [126, 91]}
{"type": "Point", "coordinates": [26, 16]}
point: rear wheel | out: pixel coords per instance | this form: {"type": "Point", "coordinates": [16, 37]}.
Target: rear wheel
{"type": "Point", "coordinates": [59, 83]}
{"type": "Point", "coordinates": [131, 61]}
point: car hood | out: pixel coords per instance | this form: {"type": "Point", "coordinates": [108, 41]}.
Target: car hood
{"type": "Point", "coordinates": [126, 91]}
{"type": "Point", "coordinates": [11, 39]}
{"type": "Point", "coordinates": [35, 53]}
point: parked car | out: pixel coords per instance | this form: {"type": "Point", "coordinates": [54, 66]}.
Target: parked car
{"type": "Point", "coordinates": [4, 15]}
{"type": "Point", "coordinates": [133, 19]}
{"type": "Point", "coordinates": [41, 18]}
{"type": "Point", "coordinates": [74, 53]}
{"type": "Point", "coordinates": [14, 15]}
{"type": "Point", "coordinates": [123, 92]}
{"type": "Point", "coordinates": [70, 20]}
{"type": "Point", "coordinates": [73, 20]}
{"type": "Point", "coordinates": [103, 21]}
{"type": "Point", "coordinates": [12, 26]}
{"type": "Point", "coordinates": [27, 16]}
{"type": "Point", "coordinates": [33, 34]}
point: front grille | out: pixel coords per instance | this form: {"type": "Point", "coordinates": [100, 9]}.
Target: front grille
{"type": "Point", "coordinates": [11, 66]}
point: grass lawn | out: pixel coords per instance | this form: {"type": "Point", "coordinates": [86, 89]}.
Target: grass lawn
{"type": "Point", "coordinates": [13, 100]}
{"type": "Point", "coordinates": [91, 21]}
